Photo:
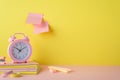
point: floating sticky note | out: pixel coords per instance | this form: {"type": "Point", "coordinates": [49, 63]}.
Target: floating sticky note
{"type": "Point", "coordinates": [34, 18]}
{"type": "Point", "coordinates": [39, 25]}
{"type": "Point", "coordinates": [40, 28]}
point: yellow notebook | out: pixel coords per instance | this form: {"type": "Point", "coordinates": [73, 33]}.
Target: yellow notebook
{"type": "Point", "coordinates": [24, 68]}
{"type": "Point", "coordinates": [20, 66]}
{"type": "Point", "coordinates": [25, 73]}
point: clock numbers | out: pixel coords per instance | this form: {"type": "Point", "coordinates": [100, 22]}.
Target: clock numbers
{"type": "Point", "coordinates": [20, 50]}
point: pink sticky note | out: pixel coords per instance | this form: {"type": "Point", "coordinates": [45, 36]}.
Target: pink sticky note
{"type": "Point", "coordinates": [40, 28]}
{"type": "Point", "coordinates": [34, 18]}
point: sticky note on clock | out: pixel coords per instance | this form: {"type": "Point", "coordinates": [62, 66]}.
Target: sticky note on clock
{"type": "Point", "coordinates": [34, 18]}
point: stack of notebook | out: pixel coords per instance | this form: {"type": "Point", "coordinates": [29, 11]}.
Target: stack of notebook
{"type": "Point", "coordinates": [23, 68]}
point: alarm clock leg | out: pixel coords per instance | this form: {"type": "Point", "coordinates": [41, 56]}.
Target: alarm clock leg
{"type": "Point", "coordinates": [19, 62]}
{"type": "Point", "coordinates": [14, 62]}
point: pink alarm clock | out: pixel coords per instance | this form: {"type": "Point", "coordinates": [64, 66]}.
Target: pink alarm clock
{"type": "Point", "coordinates": [19, 50]}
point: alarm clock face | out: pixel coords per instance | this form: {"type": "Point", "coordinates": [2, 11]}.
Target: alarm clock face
{"type": "Point", "coordinates": [20, 50]}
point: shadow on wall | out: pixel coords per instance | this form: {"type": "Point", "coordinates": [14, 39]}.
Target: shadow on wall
{"type": "Point", "coordinates": [44, 54]}
{"type": "Point", "coordinates": [46, 34]}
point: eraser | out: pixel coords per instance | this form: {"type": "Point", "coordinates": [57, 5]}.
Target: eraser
{"type": "Point", "coordinates": [61, 69]}
{"type": "Point", "coordinates": [2, 60]}
{"type": "Point", "coordinates": [52, 71]}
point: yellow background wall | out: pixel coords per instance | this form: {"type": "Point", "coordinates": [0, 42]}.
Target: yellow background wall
{"type": "Point", "coordinates": [83, 32]}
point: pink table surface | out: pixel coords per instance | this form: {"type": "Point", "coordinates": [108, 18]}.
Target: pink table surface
{"type": "Point", "coordinates": [79, 73]}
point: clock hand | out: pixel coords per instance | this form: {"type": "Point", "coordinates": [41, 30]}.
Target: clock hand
{"type": "Point", "coordinates": [17, 48]}
{"type": "Point", "coordinates": [23, 48]}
